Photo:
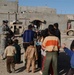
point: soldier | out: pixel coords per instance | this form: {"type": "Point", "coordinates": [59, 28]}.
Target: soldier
{"type": "Point", "coordinates": [6, 32]}
{"type": "Point", "coordinates": [4, 36]}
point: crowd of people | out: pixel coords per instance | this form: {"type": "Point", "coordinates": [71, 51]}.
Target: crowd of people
{"type": "Point", "coordinates": [41, 48]}
{"type": "Point", "coordinates": [47, 43]}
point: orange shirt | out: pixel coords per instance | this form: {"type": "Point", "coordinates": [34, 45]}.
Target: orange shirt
{"type": "Point", "coordinates": [51, 43]}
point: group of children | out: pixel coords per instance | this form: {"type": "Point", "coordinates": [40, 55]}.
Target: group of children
{"type": "Point", "coordinates": [32, 55]}
{"type": "Point", "coordinates": [38, 44]}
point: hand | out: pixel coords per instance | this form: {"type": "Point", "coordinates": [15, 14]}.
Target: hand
{"type": "Point", "coordinates": [63, 46]}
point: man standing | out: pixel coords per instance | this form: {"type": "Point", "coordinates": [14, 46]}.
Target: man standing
{"type": "Point", "coordinates": [28, 37]}
{"type": "Point", "coordinates": [4, 36]}
{"type": "Point", "coordinates": [6, 32]}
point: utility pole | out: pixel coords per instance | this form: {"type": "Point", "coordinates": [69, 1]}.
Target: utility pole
{"type": "Point", "coordinates": [17, 6]}
{"type": "Point", "coordinates": [16, 12]}
{"type": "Point", "coordinates": [9, 17]}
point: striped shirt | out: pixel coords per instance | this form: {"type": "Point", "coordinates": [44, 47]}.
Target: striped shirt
{"type": "Point", "coordinates": [51, 43]}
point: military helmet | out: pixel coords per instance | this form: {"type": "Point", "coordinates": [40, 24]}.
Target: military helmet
{"type": "Point", "coordinates": [5, 21]}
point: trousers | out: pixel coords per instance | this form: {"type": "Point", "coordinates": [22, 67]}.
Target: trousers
{"type": "Point", "coordinates": [29, 63]}
{"type": "Point", "coordinates": [9, 63]}
{"type": "Point", "coordinates": [51, 57]}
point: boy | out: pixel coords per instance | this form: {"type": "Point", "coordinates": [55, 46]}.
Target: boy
{"type": "Point", "coordinates": [9, 53]}
{"type": "Point", "coordinates": [18, 50]}
{"type": "Point", "coordinates": [71, 54]}
{"type": "Point", "coordinates": [31, 57]}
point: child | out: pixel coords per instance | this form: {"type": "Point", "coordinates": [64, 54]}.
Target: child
{"type": "Point", "coordinates": [18, 50]}
{"type": "Point", "coordinates": [71, 54]}
{"type": "Point", "coordinates": [31, 57]}
{"type": "Point", "coordinates": [38, 46]}
{"type": "Point", "coordinates": [9, 53]}
{"type": "Point", "coordinates": [50, 44]}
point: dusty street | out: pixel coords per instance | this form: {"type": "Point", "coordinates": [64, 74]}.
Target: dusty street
{"type": "Point", "coordinates": [63, 64]}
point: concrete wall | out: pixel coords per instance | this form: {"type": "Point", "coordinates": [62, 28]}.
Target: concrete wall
{"type": "Point", "coordinates": [7, 10]}
{"type": "Point", "coordinates": [6, 16]}
{"type": "Point", "coordinates": [8, 6]}
{"type": "Point", "coordinates": [28, 14]}
{"type": "Point", "coordinates": [2, 17]}
{"type": "Point", "coordinates": [49, 18]}
{"type": "Point", "coordinates": [37, 9]}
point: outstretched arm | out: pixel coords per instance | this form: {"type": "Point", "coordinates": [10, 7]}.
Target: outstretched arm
{"type": "Point", "coordinates": [68, 51]}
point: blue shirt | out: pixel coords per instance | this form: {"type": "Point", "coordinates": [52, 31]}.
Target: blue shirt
{"type": "Point", "coordinates": [71, 54]}
{"type": "Point", "coordinates": [28, 36]}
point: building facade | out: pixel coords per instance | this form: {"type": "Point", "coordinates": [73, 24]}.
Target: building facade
{"type": "Point", "coordinates": [11, 11]}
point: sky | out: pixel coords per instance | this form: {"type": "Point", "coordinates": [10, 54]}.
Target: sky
{"type": "Point", "coordinates": [61, 6]}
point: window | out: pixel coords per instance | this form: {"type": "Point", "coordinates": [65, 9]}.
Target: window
{"type": "Point", "coordinates": [11, 26]}
{"type": "Point", "coordinates": [20, 27]}
{"type": "Point", "coordinates": [5, 4]}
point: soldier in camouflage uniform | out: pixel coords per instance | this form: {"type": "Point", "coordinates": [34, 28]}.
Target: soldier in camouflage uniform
{"type": "Point", "coordinates": [4, 36]}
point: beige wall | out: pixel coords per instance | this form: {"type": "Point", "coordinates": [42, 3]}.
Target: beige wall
{"type": "Point", "coordinates": [30, 14]}
{"type": "Point", "coordinates": [7, 6]}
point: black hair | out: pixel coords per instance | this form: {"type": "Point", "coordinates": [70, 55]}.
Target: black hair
{"type": "Point", "coordinates": [72, 45]}
{"type": "Point", "coordinates": [56, 25]}
{"type": "Point", "coordinates": [44, 33]}
{"type": "Point", "coordinates": [51, 29]}
{"type": "Point", "coordinates": [16, 41]}
{"type": "Point", "coordinates": [30, 26]}
{"type": "Point", "coordinates": [5, 21]}
{"type": "Point", "coordinates": [10, 42]}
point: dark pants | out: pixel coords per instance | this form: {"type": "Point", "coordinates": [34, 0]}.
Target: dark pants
{"type": "Point", "coordinates": [50, 57]}
{"type": "Point", "coordinates": [9, 63]}
{"type": "Point", "coordinates": [71, 71]}
{"type": "Point", "coordinates": [39, 55]}
{"type": "Point", "coordinates": [18, 57]}
{"type": "Point", "coordinates": [25, 45]}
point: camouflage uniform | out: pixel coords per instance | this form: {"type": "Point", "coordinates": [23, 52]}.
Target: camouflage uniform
{"type": "Point", "coordinates": [4, 31]}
